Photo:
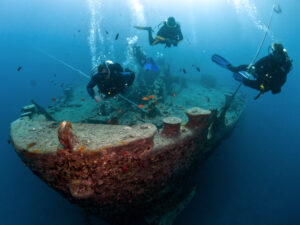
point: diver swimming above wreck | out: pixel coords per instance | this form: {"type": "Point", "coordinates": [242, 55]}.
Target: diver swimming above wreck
{"type": "Point", "coordinates": [267, 74]}
{"type": "Point", "coordinates": [169, 34]}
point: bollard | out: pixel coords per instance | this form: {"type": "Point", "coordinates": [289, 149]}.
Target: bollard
{"type": "Point", "coordinates": [171, 126]}
{"type": "Point", "coordinates": [197, 117]}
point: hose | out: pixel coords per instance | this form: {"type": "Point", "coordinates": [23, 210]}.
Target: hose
{"type": "Point", "coordinates": [265, 36]}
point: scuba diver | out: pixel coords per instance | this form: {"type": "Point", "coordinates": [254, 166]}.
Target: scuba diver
{"type": "Point", "coordinates": [267, 74]}
{"type": "Point", "coordinates": [110, 79]}
{"type": "Point", "coordinates": [147, 63]}
{"type": "Point", "coordinates": [169, 34]}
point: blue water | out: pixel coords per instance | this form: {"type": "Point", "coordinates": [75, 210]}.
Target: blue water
{"type": "Point", "coordinates": [254, 175]}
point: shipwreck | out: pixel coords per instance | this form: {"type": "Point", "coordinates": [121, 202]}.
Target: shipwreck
{"type": "Point", "coordinates": [131, 166]}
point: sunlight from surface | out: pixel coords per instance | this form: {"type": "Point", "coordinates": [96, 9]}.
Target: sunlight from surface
{"type": "Point", "coordinates": [138, 11]}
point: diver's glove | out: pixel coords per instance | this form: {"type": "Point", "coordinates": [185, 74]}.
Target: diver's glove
{"type": "Point", "coordinates": [168, 42]}
{"type": "Point", "coordinates": [174, 42]}
{"type": "Point", "coordinates": [171, 41]}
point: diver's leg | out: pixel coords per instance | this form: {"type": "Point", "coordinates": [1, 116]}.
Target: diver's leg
{"type": "Point", "coordinates": [236, 69]}
{"type": "Point", "coordinates": [152, 41]}
{"type": "Point", "coordinates": [251, 83]}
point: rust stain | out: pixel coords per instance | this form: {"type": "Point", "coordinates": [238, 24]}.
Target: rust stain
{"type": "Point", "coordinates": [81, 148]}
{"type": "Point", "coordinates": [60, 151]}
{"type": "Point", "coordinates": [30, 145]}
{"type": "Point", "coordinates": [36, 151]}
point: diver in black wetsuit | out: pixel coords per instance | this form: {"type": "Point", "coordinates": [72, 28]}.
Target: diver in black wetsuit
{"type": "Point", "coordinates": [147, 63]}
{"type": "Point", "coordinates": [139, 55]}
{"type": "Point", "coordinates": [110, 80]}
{"type": "Point", "coordinates": [270, 72]}
{"type": "Point", "coordinates": [169, 34]}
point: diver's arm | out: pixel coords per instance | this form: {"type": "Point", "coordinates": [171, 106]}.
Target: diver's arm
{"type": "Point", "coordinates": [179, 35]}
{"type": "Point", "coordinates": [236, 69]}
{"type": "Point", "coordinates": [277, 81]}
{"type": "Point", "coordinates": [91, 85]}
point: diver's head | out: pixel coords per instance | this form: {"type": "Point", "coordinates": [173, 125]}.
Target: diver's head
{"type": "Point", "coordinates": [104, 68]}
{"type": "Point", "coordinates": [279, 52]}
{"type": "Point", "coordinates": [171, 22]}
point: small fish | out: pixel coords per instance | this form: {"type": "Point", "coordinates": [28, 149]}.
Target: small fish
{"type": "Point", "coordinates": [30, 145]}
{"type": "Point", "coordinates": [53, 99]}
{"type": "Point", "coordinates": [174, 95]}
{"type": "Point", "coordinates": [151, 96]}
{"type": "Point", "coordinates": [197, 68]}
{"type": "Point", "coordinates": [82, 99]}
{"type": "Point", "coordinates": [54, 75]}
{"type": "Point", "coordinates": [117, 36]}
{"type": "Point", "coordinates": [108, 121]}
{"type": "Point", "coordinates": [119, 111]}
{"type": "Point", "coordinates": [125, 154]}
{"type": "Point", "coordinates": [33, 83]}
{"type": "Point", "coordinates": [145, 99]}
{"type": "Point", "coordinates": [277, 9]}
{"type": "Point", "coordinates": [8, 141]}
{"type": "Point", "coordinates": [183, 70]}
{"type": "Point", "coordinates": [106, 32]}
{"type": "Point", "coordinates": [141, 106]}
{"type": "Point", "coordinates": [19, 68]}
{"type": "Point", "coordinates": [79, 31]}
{"type": "Point", "coordinates": [123, 142]}
{"type": "Point", "coordinates": [207, 99]}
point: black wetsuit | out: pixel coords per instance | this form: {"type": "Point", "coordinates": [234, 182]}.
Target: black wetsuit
{"type": "Point", "coordinates": [268, 72]}
{"type": "Point", "coordinates": [167, 35]}
{"type": "Point", "coordinates": [139, 55]}
{"type": "Point", "coordinates": [112, 85]}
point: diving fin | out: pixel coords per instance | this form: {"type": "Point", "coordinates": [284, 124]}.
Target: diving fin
{"type": "Point", "coordinates": [151, 65]}
{"type": "Point", "coordinates": [220, 61]}
{"type": "Point", "coordinates": [242, 75]}
{"type": "Point", "coordinates": [238, 77]}
{"type": "Point", "coordinates": [148, 66]}
{"type": "Point", "coordinates": [143, 28]}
